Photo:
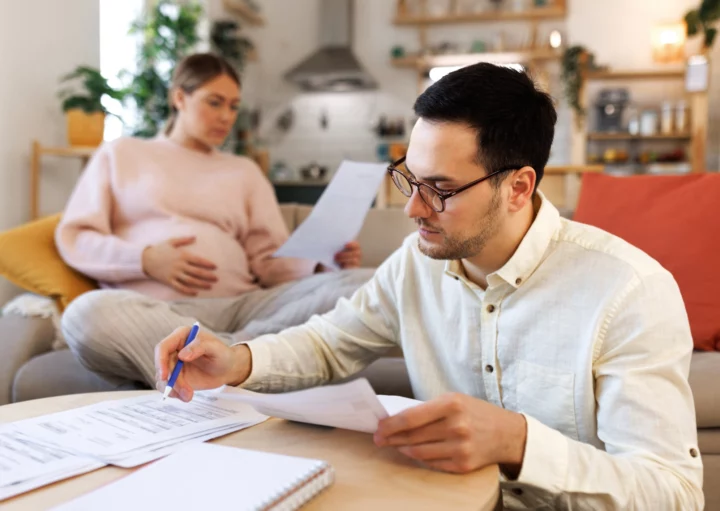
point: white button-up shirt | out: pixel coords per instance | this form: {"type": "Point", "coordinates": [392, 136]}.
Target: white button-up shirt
{"type": "Point", "coordinates": [581, 332]}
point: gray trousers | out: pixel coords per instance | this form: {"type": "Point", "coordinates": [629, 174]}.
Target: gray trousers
{"type": "Point", "coordinates": [114, 332]}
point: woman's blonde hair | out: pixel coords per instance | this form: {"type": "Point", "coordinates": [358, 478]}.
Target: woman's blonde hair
{"type": "Point", "coordinates": [193, 72]}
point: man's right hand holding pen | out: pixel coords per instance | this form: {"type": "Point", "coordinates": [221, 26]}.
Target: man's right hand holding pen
{"type": "Point", "coordinates": [208, 363]}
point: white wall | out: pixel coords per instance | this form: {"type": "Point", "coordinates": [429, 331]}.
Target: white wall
{"type": "Point", "coordinates": [290, 35]}
{"type": "Point", "coordinates": [40, 40]}
{"type": "Point", "coordinates": [618, 31]}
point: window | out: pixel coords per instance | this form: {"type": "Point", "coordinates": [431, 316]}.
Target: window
{"type": "Point", "coordinates": [118, 52]}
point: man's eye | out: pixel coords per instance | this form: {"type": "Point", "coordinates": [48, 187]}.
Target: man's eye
{"type": "Point", "coordinates": [214, 104]}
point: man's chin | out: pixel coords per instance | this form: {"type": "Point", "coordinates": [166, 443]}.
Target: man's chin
{"type": "Point", "coordinates": [432, 250]}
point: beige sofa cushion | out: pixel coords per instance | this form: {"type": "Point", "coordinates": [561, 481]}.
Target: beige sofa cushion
{"type": "Point", "coordinates": [705, 384]}
{"type": "Point", "coordinates": [289, 212]}
{"type": "Point", "coordinates": [709, 441]}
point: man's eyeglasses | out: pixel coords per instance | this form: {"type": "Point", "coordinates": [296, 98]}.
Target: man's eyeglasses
{"type": "Point", "coordinates": [429, 194]}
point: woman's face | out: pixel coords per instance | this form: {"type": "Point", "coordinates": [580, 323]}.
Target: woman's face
{"type": "Point", "coordinates": [209, 112]}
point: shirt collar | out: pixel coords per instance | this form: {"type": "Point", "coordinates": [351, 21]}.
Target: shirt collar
{"type": "Point", "coordinates": [529, 253]}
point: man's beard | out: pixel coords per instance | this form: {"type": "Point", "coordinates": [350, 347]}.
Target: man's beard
{"type": "Point", "coordinates": [453, 248]}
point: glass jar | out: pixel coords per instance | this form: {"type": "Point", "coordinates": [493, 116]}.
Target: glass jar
{"type": "Point", "coordinates": [666, 118]}
{"type": "Point", "coordinates": [681, 117]}
{"type": "Point", "coordinates": [633, 121]}
{"type": "Point", "coordinates": [648, 122]}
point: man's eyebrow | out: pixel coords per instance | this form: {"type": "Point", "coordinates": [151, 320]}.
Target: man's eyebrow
{"type": "Point", "coordinates": [437, 178]}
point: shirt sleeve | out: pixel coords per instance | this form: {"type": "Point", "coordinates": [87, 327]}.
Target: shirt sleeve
{"type": "Point", "coordinates": [265, 235]}
{"type": "Point", "coordinates": [84, 236]}
{"type": "Point", "coordinates": [332, 346]}
{"type": "Point", "coordinates": [645, 417]}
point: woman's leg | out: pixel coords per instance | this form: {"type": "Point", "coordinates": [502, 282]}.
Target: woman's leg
{"type": "Point", "coordinates": [114, 332]}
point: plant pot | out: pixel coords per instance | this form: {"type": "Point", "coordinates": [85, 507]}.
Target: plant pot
{"type": "Point", "coordinates": [85, 129]}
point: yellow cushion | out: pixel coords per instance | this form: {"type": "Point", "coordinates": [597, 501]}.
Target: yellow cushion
{"type": "Point", "coordinates": [30, 260]}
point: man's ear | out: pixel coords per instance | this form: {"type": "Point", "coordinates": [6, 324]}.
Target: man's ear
{"type": "Point", "coordinates": [521, 188]}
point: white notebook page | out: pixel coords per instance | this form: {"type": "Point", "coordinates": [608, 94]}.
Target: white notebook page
{"type": "Point", "coordinates": [202, 476]}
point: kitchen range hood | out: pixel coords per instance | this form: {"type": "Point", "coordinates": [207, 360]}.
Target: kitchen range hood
{"type": "Point", "coordinates": [333, 67]}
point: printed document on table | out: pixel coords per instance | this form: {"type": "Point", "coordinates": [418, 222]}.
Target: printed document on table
{"type": "Point", "coordinates": [26, 464]}
{"type": "Point", "coordinates": [338, 215]}
{"type": "Point", "coordinates": [114, 429]}
{"type": "Point", "coordinates": [352, 405]}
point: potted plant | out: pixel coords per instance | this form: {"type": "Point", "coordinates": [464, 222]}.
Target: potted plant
{"type": "Point", "coordinates": [83, 109]}
{"type": "Point", "coordinates": [228, 41]}
{"type": "Point", "coordinates": [576, 61]}
{"type": "Point", "coordinates": [703, 19]}
{"type": "Point", "coordinates": [169, 32]}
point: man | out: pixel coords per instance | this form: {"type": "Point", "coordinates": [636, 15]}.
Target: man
{"type": "Point", "coordinates": [548, 347]}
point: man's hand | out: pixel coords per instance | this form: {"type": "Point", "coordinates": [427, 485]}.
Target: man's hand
{"type": "Point", "coordinates": [349, 257]}
{"type": "Point", "coordinates": [208, 363]}
{"type": "Point", "coordinates": [457, 433]}
{"type": "Point", "coordinates": [168, 262]}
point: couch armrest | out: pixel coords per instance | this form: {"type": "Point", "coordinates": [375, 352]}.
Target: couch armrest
{"type": "Point", "coordinates": [21, 339]}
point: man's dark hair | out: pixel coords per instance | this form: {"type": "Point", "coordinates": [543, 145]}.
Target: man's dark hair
{"type": "Point", "coordinates": [514, 121]}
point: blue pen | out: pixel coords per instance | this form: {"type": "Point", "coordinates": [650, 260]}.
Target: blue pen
{"type": "Point", "coordinates": [178, 366]}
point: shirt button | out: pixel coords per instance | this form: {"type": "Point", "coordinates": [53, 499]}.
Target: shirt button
{"type": "Point", "coordinates": [491, 308]}
{"type": "Point", "coordinates": [489, 368]}
{"type": "Point", "coordinates": [517, 491]}
{"type": "Point", "coordinates": [694, 452]}
{"type": "Point", "coordinates": [518, 281]}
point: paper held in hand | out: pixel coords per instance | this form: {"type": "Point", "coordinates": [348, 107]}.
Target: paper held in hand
{"type": "Point", "coordinates": [352, 405]}
{"type": "Point", "coordinates": [338, 215]}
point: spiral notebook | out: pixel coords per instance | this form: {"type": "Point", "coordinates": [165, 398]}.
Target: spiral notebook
{"type": "Point", "coordinates": [205, 476]}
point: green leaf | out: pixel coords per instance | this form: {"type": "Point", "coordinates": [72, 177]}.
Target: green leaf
{"type": "Point", "coordinates": [709, 10]}
{"type": "Point", "coordinates": [88, 105]}
{"type": "Point", "coordinates": [692, 21]}
{"type": "Point", "coordinates": [89, 95]}
{"type": "Point", "coordinates": [710, 34]}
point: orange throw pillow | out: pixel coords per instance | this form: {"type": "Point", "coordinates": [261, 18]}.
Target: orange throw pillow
{"type": "Point", "coordinates": [29, 259]}
{"type": "Point", "coordinates": [674, 219]}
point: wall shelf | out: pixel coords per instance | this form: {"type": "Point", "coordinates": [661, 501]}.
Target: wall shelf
{"type": "Point", "coordinates": [538, 14]}
{"type": "Point", "coordinates": [694, 140]}
{"type": "Point", "coordinates": [652, 74]}
{"type": "Point", "coordinates": [242, 9]}
{"type": "Point", "coordinates": [628, 136]}
{"type": "Point", "coordinates": [534, 55]}
{"type": "Point", "coordinates": [465, 59]}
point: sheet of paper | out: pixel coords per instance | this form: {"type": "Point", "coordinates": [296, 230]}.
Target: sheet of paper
{"type": "Point", "coordinates": [217, 478]}
{"type": "Point", "coordinates": [26, 464]}
{"type": "Point", "coordinates": [22, 458]}
{"type": "Point", "coordinates": [142, 456]}
{"type": "Point", "coordinates": [338, 215]}
{"type": "Point", "coordinates": [116, 428]}
{"type": "Point", "coordinates": [396, 404]}
{"type": "Point", "coordinates": [47, 478]}
{"type": "Point", "coordinates": [127, 433]}
{"type": "Point", "coordinates": [352, 405]}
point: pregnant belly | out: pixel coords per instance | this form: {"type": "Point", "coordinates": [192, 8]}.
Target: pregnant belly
{"type": "Point", "coordinates": [212, 244]}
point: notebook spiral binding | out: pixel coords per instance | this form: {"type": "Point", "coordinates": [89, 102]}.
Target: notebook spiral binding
{"type": "Point", "coordinates": [302, 490]}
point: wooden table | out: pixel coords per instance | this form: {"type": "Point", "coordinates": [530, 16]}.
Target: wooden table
{"type": "Point", "coordinates": [367, 477]}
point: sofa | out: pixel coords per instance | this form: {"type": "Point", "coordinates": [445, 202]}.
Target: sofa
{"type": "Point", "coordinates": [31, 369]}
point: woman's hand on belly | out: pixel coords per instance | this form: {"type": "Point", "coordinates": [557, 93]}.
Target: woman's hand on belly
{"type": "Point", "coordinates": [173, 265]}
